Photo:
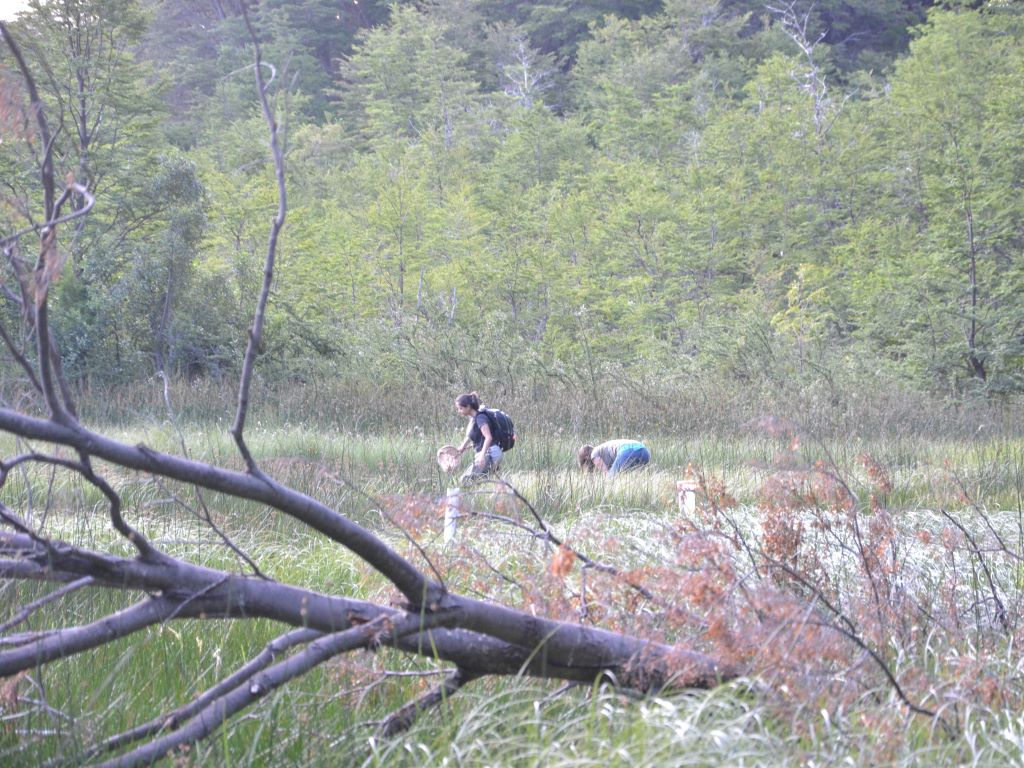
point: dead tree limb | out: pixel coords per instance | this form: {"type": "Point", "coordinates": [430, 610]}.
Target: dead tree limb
{"type": "Point", "coordinates": [171, 720]}
{"type": "Point", "coordinates": [402, 718]}
{"type": "Point", "coordinates": [256, 330]}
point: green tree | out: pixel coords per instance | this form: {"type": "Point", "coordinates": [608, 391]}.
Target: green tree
{"type": "Point", "coordinates": [763, 172]}
{"type": "Point", "coordinates": [108, 138]}
{"type": "Point", "coordinates": [645, 87]}
{"type": "Point", "coordinates": [197, 43]}
{"type": "Point", "coordinates": [404, 80]}
{"type": "Point", "coordinates": [955, 160]}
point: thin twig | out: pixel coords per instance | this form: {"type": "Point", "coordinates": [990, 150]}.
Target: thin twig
{"type": "Point", "coordinates": [85, 470]}
{"type": "Point", "coordinates": [205, 516]}
{"type": "Point", "coordinates": [980, 559]}
{"type": "Point", "coordinates": [379, 504]}
{"type": "Point", "coordinates": [32, 607]}
{"type": "Point", "coordinates": [849, 631]}
{"type": "Point", "coordinates": [171, 719]}
{"type": "Point", "coordinates": [256, 330]}
{"type": "Point", "coordinates": [402, 719]}
{"type": "Point", "coordinates": [588, 562]}
{"type": "Point", "coordinates": [47, 252]}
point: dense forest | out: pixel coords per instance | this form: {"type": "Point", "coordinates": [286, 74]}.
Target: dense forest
{"type": "Point", "coordinates": [493, 190]}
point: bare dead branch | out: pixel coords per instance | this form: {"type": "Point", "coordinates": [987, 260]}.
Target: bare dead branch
{"type": "Point", "coordinates": [403, 718]}
{"type": "Point", "coordinates": [243, 485]}
{"type": "Point", "coordinates": [494, 569]}
{"type": "Point", "coordinates": [536, 646]}
{"type": "Point", "coordinates": [408, 537]}
{"type": "Point", "coordinates": [48, 265]}
{"type": "Point", "coordinates": [980, 560]}
{"type": "Point", "coordinates": [214, 714]}
{"type": "Point", "coordinates": [57, 594]}
{"type": "Point", "coordinates": [985, 518]}
{"type": "Point", "coordinates": [171, 720]}
{"type": "Point", "coordinates": [587, 561]}
{"type": "Point", "coordinates": [73, 187]}
{"type": "Point", "coordinates": [86, 471]}
{"type": "Point", "coordinates": [849, 630]}
{"type": "Point", "coordinates": [256, 329]}
{"type": "Point", "coordinates": [15, 522]}
{"type": "Point", "coordinates": [63, 643]}
{"type": "Point", "coordinates": [204, 512]}
{"type": "Point", "coordinates": [20, 359]}
{"type": "Point", "coordinates": [384, 677]}
{"type": "Point", "coordinates": [36, 105]}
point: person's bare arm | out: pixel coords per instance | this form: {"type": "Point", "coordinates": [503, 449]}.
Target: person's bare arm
{"type": "Point", "coordinates": [467, 442]}
{"type": "Point", "coordinates": [481, 457]}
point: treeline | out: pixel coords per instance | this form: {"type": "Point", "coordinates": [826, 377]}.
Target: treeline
{"type": "Point", "coordinates": [509, 193]}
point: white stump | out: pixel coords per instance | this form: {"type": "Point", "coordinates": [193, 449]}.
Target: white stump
{"type": "Point", "coordinates": [686, 495]}
{"type": "Point", "coordinates": [451, 513]}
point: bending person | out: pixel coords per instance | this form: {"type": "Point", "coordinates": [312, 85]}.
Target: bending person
{"type": "Point", "coordinates": [479, 435]}
{"type": "Point", "coordinates": [614, 456]}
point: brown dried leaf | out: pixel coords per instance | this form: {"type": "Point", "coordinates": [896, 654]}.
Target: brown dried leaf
{"type": "Point", "coordinates": [562, 562]}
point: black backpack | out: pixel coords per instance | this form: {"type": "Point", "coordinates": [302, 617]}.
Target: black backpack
{"type": "Point", "coordinates": [502, 428]}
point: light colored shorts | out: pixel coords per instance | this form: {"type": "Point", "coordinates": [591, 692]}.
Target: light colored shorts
{"type": "Point", "coordinates": [491, 463]}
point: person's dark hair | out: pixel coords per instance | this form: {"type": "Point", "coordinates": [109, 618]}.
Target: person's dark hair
{"type": "Point", "coordinates": [470, 399]}
{"type": "Point", "coordinates": [584, 457]}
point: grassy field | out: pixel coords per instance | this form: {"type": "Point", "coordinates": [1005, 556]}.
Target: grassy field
{"type": "Point", "coordinates": [950, 655]}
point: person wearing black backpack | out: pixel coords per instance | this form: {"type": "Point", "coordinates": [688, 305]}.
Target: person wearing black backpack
{"type": "Point", "coordinates": [490, 432]}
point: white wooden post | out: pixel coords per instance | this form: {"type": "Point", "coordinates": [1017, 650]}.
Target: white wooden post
{"type": "Point", "coordinates": [686, 495]}
{"type": "Point", "coordinates": [451, 513]}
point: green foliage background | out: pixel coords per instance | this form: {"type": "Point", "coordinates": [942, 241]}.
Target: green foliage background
{"type": "Point", "coordinates": [511, 196]}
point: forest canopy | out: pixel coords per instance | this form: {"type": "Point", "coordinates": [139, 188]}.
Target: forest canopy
{"type": "Point", "coordinates": [751, 190]}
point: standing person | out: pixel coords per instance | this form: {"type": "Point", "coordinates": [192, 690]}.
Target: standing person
{"type": "Point", "coordinates": [613, 456]}
{"type": "Point", "coordinates": [479, 434]}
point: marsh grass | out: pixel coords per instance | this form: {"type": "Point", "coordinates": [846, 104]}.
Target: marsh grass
{"type": "Point", "coordinates": [325, 719]}
{"type": "Point", "coordinates": [644, 403]}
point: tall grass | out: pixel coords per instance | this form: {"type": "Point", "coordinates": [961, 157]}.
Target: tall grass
{"type": "Point", "coordinates": [643, 403]}
{"type": "Point", "coordinates": [363, 458]}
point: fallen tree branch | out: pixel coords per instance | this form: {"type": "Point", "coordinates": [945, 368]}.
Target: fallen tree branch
{"type": "Point", "coordinates": [57, 594]}
{"type": "Point", "coordinates": [403, 718]}
{"type": "Point", "coordinates": [248, 691]}
{"type": "Point", "coordinates": [170, 720]}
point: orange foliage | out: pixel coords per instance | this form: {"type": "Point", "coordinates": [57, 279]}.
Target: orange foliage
{"type": "Point", "coordinates": [562, 561]}
{"type": "Point", "coordinates": [792, 589]}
